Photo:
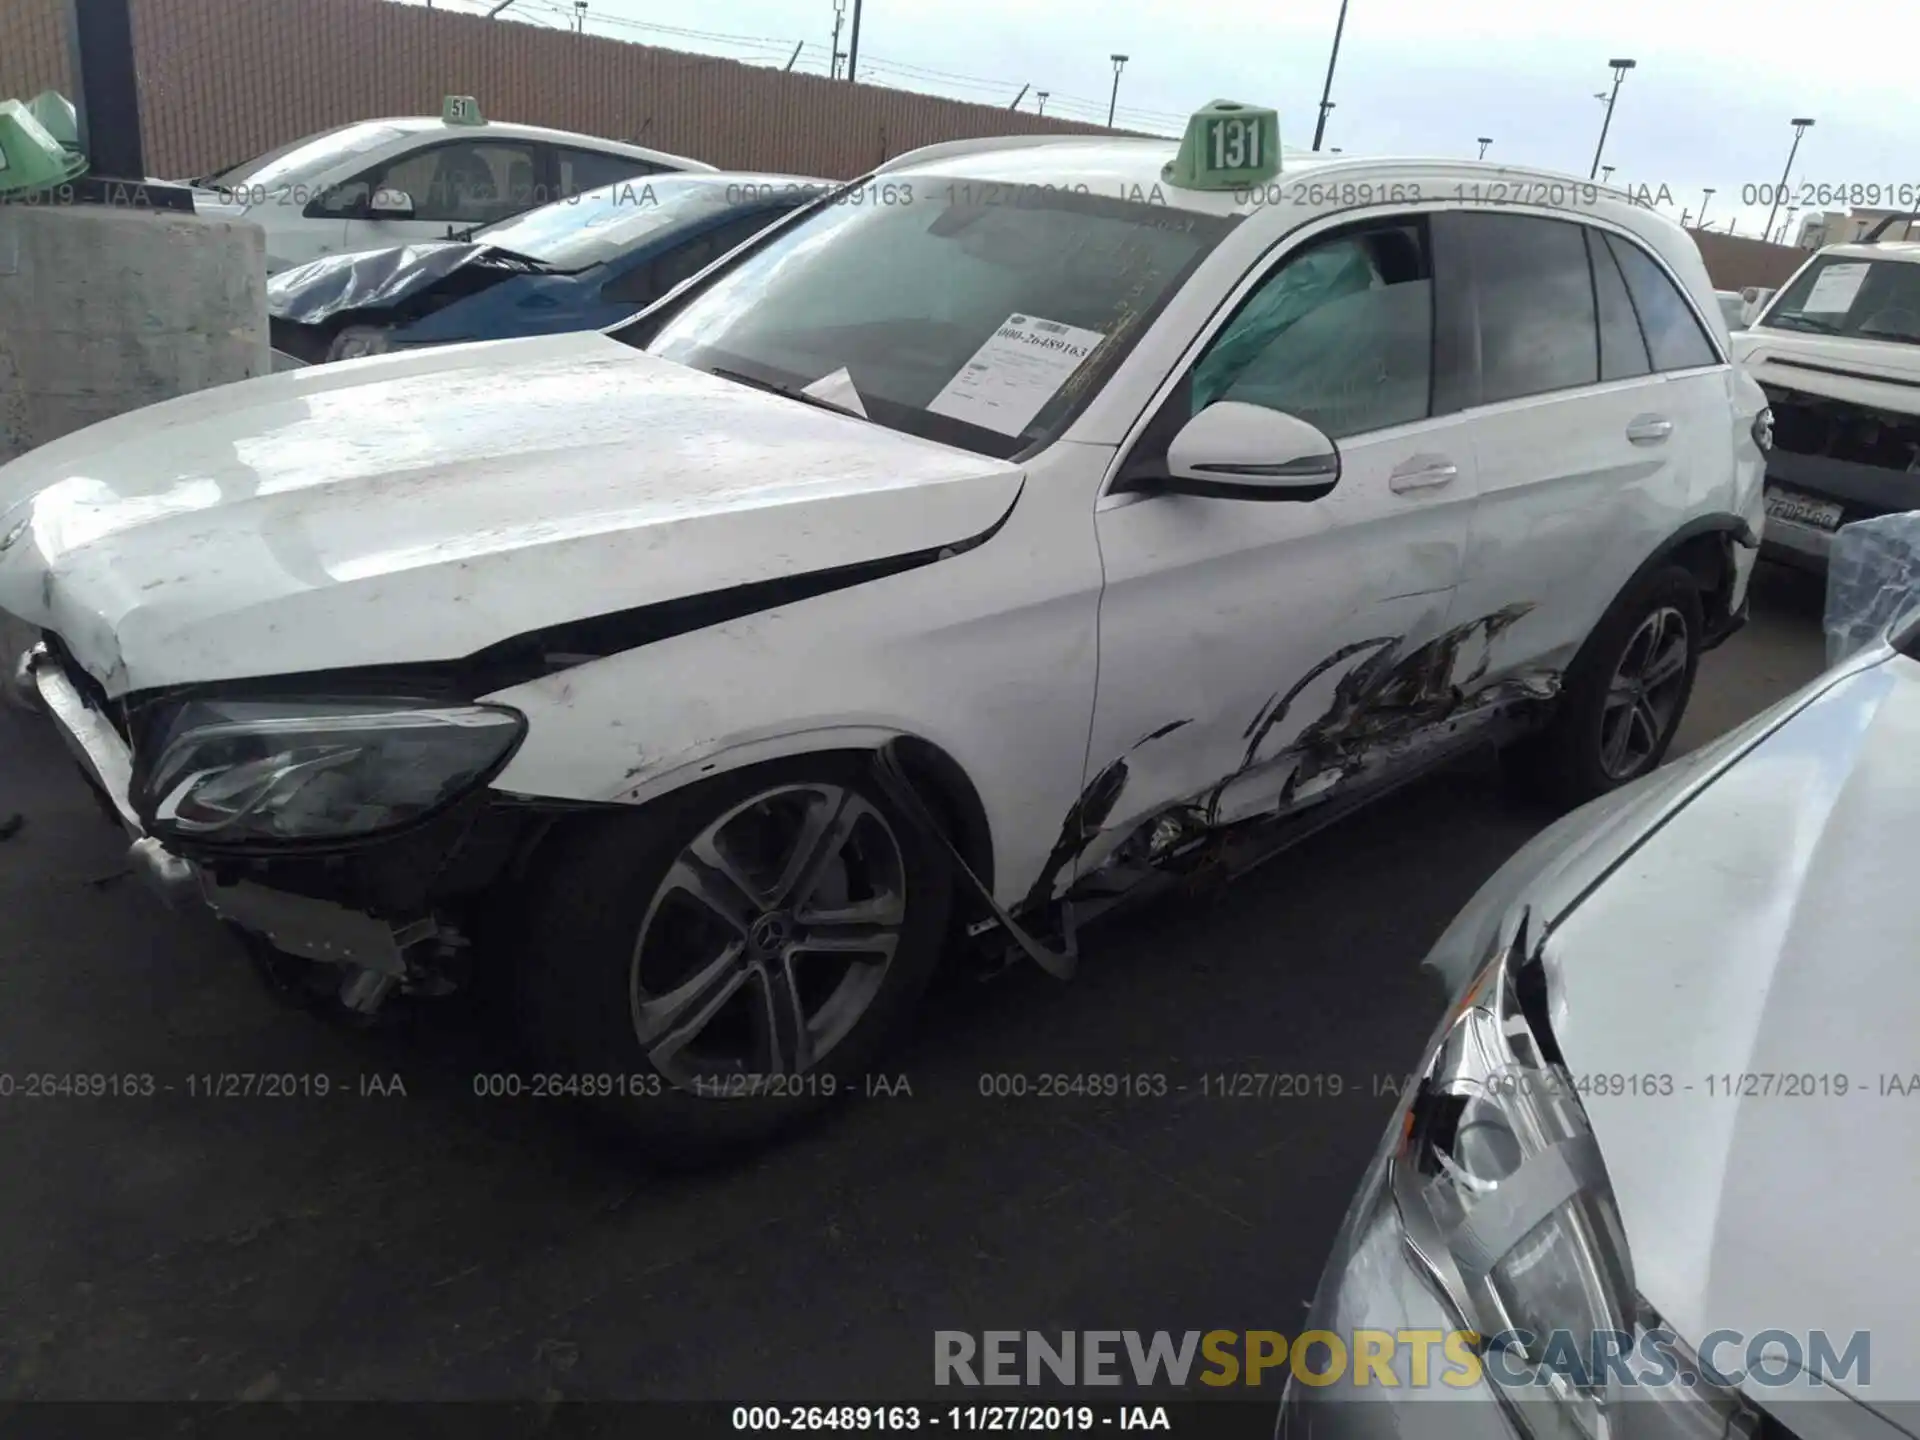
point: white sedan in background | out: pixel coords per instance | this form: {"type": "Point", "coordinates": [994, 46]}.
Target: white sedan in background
{"type": "Point", "coordinates": [388, 182]}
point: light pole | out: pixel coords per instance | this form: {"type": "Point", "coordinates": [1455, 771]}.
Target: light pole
{"type": "Point", "coordinates": [1620, 68]}
{"type": "Point", "coordinates": [1119, 64]}
{"type": "Point", "coordinates": [1041, 96]}
{"type": "Point", "coordinates": [853, 41]}
{"type": "Point", "coordinates": [1484, 141]}
{"type": "Point", "coordinates": [1326, 91]}
{"type": "Point", "coordinates": [1701, 219]}
{"type": "Point", "coordinates": [1606, 175]}
{"type": "Point", "coordinates": [1800, 127]}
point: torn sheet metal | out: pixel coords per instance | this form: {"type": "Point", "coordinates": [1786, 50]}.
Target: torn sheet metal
{"type": "Point", "coordinates": [1087, 815]}
{"type": "Point", "coordinates": [1381, 708]}
{"type": "Point", "coordinates": [1385, 698]}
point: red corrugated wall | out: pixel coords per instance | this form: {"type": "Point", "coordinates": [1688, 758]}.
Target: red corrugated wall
{"type": "Point", "coordinates": [225, 79]}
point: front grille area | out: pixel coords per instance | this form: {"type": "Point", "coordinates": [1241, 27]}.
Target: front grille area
{"type": "Point", "coordinates": [1806, 424]}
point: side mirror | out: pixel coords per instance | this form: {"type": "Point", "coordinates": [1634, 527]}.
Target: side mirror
{"type": "Point", "coordinates": [1234, 451]}
{"type": "Point", "coordinates": [1756, 297]}
{"type": "Point", "coordinates": [392, 204]}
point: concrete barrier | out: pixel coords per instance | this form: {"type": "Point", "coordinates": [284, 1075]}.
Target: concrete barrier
{"type": "Point", "coordinates": [104, 309]}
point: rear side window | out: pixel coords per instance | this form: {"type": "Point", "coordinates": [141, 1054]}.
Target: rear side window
{"type": "Point", "coordinates": [1673, 332]}
{"type": "Point", "coordinates": [1534, 299]}
{"type": "Point", "coordinates": [1623, 350]}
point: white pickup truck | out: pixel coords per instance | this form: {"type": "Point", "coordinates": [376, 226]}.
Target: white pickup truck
{"type": "Point", "coordinates": [1837, 350]}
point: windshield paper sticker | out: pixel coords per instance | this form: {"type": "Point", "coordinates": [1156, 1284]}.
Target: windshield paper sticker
{"type": "Point", "coordinates": [1011, 377]}
{"type": "Point", "coordinates": [838, 389]}
{"type": "Point", "coordinates": [1833, 292]}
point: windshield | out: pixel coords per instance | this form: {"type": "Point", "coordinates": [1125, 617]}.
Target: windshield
{"type": "Point", "coordinates": [599, 225]}
{"type": "Point", "coordinates": [965, 312]}
{"type": "Point", "coordinates": [1865, 299]}
{"type": "Point", "coordinates": [305, 158]}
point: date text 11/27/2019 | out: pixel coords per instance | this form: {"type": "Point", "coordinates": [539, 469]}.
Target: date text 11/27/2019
{"type": "Point", "coordinates": [897, 1419]}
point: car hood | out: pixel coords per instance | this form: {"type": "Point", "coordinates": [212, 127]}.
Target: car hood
{"type": "Point", "coordinates": [1882, 374]}
{"type": "Point", "coordinates": [381, 280]}
{"type": "Point", "coordinates": [1765, 929]}
{"type": "Point", "coordinates": [1547, 877]}
{"type": "Point", "coordinates": [422, 506]}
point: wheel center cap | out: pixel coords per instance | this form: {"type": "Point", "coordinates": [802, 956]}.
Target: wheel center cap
{"type": "Point", "coordinates": [771, 931]}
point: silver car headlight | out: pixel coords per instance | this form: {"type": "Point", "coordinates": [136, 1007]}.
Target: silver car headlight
{"type": "Point", "coordinates": [1506, 1204]}
{"type": "Point", "coordinates": [251, 770]}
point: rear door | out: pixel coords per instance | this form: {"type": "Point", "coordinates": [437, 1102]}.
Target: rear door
{"type": "Point", "coordinates": [579, 171]}
{"type": "Point", "coordinates": [1599, 411]}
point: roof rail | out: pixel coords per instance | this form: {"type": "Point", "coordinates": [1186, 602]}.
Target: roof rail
{"type": "Point", "coordinates": [1872, 237]}
{"type": "Point", "coordinates": [946, 148]}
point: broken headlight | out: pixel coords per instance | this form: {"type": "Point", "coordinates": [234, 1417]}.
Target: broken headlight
{"type": "Point", "coordinates": [246, 771]}
{"type": "Point", "coordinates": [1506, 1203]}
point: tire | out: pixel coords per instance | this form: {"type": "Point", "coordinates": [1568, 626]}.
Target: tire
{"type": "Point", "coordinates": [1581, 753]}
{"type": "Point", "coordinates": [622, 932]}
{"type": "Point", "coordinates": [347, 343]}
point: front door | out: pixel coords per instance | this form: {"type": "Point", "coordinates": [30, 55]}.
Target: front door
{"type": "Point", "coordinates": [1231, 629]}
{"type": "Point", "coordinates": [454, 186]}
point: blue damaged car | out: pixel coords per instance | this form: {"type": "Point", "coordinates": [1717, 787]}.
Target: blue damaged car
{"type": "Point", "coordinates": [582, 263]}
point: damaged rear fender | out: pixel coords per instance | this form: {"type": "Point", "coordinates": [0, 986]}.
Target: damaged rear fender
{"type": "Point", "coordinates": [1710, 548]}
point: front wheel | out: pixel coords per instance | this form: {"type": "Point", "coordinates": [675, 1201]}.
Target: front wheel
{"type": "Point", "coordinates": [1624, 696]}
{"type": "Point", "coordinates": [733, 956]}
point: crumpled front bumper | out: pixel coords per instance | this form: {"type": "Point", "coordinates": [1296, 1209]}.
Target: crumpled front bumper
{"type": "Point", "coordinates": [300, 925]}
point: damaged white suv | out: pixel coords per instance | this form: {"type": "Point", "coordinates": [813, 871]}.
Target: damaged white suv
{"type": "Point", "coordinates": [1028, 522]}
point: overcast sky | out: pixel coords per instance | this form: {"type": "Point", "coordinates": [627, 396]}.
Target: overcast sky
{"type": "Point", "coordinates": [1709, 104]}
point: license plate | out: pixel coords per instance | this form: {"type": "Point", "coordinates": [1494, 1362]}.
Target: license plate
{"type": "Point", "coordinates": [1798, 509]}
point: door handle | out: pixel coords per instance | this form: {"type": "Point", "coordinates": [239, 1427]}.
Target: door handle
{"type": "Point", "coordinates": [1649, 429]}
{"type": "Point", "coordinates": [1423, 472]}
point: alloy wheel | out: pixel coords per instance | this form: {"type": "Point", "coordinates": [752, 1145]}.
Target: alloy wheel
{"type": "Point", "coordinates": [768, 938]}
{"type": "Point", "coordinates": [1644, 693]}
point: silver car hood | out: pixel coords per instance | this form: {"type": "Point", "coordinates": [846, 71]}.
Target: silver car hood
{"type": "Point", "coordinates": [1764, 927]}
{"type": "Point", "coordinates": [1548, 876]}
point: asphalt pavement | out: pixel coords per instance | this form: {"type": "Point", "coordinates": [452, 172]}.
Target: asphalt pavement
{"type": "Point", "coordinates": [403, 1237]}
